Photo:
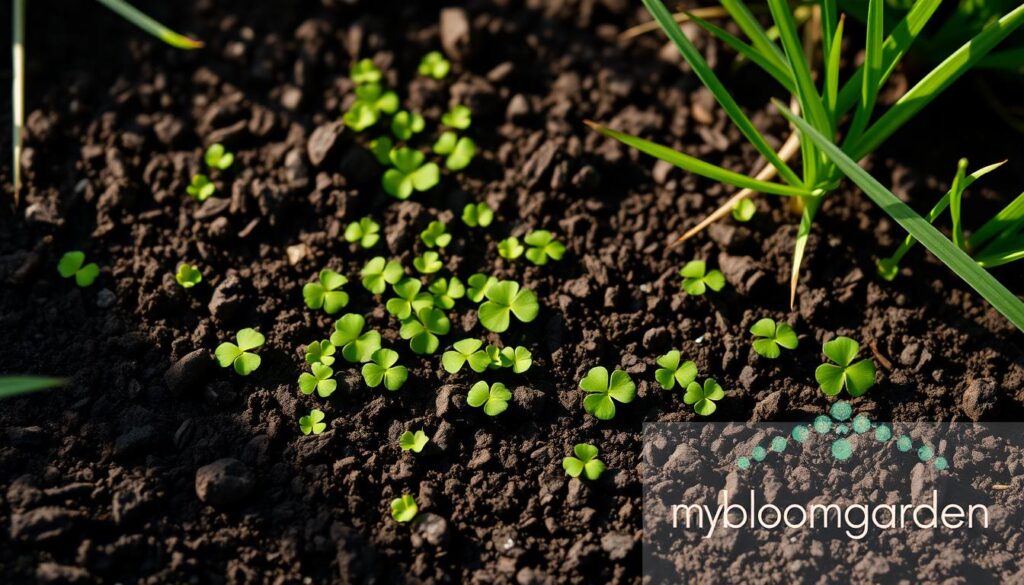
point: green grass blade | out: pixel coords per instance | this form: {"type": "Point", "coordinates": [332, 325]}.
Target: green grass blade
{"type": "Point", "coordinates": [956, 196]}
{"type": "Point", "coordinates": [810, 101]}
{"type": "Point", "coordinates": [1007, 221]}
{"type": "Point", "coordinates": [829, 22]}
{"type": "Point", "coordinates": [811, 207]}
{"type": "Point", "coordinates": [872, 67]}
{"type": "Point", "coordinates": [832, 65]}
{"type": "Point", "coordinates": [956, 259]}
{"type": "Point", "coordinates": [699, 167]}
{"type": "Point", "coordinates": [17, 90]}
{"type": "Point", "coordinates": [708, 77]}
{"type": "Point", "coordinates": [143, 21]}
{"type": "Point", "coordinates": [744, 18]}
{"type": "Point", "coordinates": [16, 385]}
{"type": "Point", "coordinates": [779, 74]}
{"type": "Point", "coordinates": [1001, 258]}
{"type": "Point", "coordinates": [936, 82]}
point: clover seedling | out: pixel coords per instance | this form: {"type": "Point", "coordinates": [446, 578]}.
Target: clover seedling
{"type": "Point", "coordinates": [494, 399]}
{"type": "Point", "coordinates": [770, 336]}
{"type": "Point", "coordinates": [703, 397]}
{"type": "Point", "coordinates": [320, 380]}
{"type": "Point", "coordinates": [218, 157]}
{"type": "Point", "coordinates": [602, 391]}
{"type": "Point", "coordinates": [404, 509]}
{"type": "Point", "coordinates": [857, 377]}
{"type": "Point", "coordinates": [696, 280]}
{"type": "Point", "coordinates": [320, 352]}
{"type": "Point", "coordinates": [477, 215]}
{"type": "Point", "coordinates": [584, 463]}
{"type": "Point", "coordinates": [434, 65]}
{"type": "Point", "coordinates": [73, 264]}
{"type": "Point", "coordinates": [744, 210]}
{"type": "Point", "coordinates": [414, 442]}
{"type": "Point", "coordinates": [479, 284]}
{"type": "Point", "coordinates": [435, 235]}
{"type": "Point", "coordinates": [378, 273]}
{"type": "Point", "coordinates": [510, 248]}
{"type": "Point", "coordinates": [463, 351]}
{"type": "Point", "coordinates": [427, 263]}
{"type": "Point", "coordinates": [355, 345]}
{"type": "Point", "coordinates": [188, 275]}
{"type": "Point", "coordinates": [423, 328]}
{"type": "Point", "coordinates": [364, 71]}
{"type": "Point", "coordinates": [201, 188]}
{"type": "Point", "coordinates": [519, 359]}
{"type": "Point", "coordinates": [543, 245]}
{"type": "Point", "coordinates": [446, 292]}
{"type": "Point", "coordinates": [460, 117]}
{"type": "Point", "coordinates": [365, 231]}
{"type": "Point", "coordinates": [326, 293]}
{"type": "Point", "coordinates": [382, 368]}
{"type": "Point", "coordinates": [409, 300]}
{"type": "Point", "coordinates": [241, 355]}
{"type": "Point", "coordinates": [672, 371]}
{"type": "Point", "coordinates": [313, 422]}
{"type": "Point", "coordinates": [504, 299]}
{"type": "Point", "coordinates": [381, 149]}
{"type": "Point", "coordinates": [405, 124]}
{"type": "Point", "coordinates": [460, 151]}
{"type": "Point", "coordinates": [409, 173]}
{"type": "Point", "coordinates": [371, 101]}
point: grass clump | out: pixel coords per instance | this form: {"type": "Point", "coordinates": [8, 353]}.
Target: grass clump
{"type": "Point", "coordinates": [433, 64]}
{"type": "Point", "coordinates": [415, 442]}
{"type": "Point", "coordinates": [584, 463]}
{"type": "Point", "coordinates": [356, 345]}
{"type": "Point", "coordinates": [383, 368]}
{"type": "Point", "coordinates": [410, 173]}
{"type": "Point", "coordinates": [844, 372]}
{"type": "Point", "coordinates": [477, 215]}
{"type": "Point", "coordinates": [603, 391]}
{"type": "Point", "coordinates": [319, 379]}
{"type": "Point", "coordinates": [326, 292]}
{"type": "Point", "coordinates": [504, 299]}
{"type": "Point", "coordinates": [543, 245]}
{"type": "Point", "coordinates": [427, 263]}
{"type": "Point", "coordinates": [201, 188]}
{"type": "Point", "coordinates": [404, 509]}
{"type": "Point", "coordinates": [703, 398]}
{"type": "Point", "coordinates": [435, 235]}
{"type": "Point", "coordinates": [72, 264]}
{"type": "Point", "coordinates": [378, 273]}
{"type": "Point", "coordinates": [770, 336]}
{"type": "Point", "coordinates": [188, 275]}
{"type": "Point", "coordinates": [672, 370]}
{"type": "Point", "coordinates": [493, 399]}
{"type": "Point", "coordinates": [697, 279]}
{"type": "Point", "coordinates": [241, 354]}
{"type": "Point", "coordinates": [365, 232]}
{"type": "Point", "coordinates": [312, 423]}
{"type": "Point", "coordinates": [217, 157]}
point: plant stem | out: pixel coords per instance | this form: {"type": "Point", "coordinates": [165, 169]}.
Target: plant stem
{"type": "Point", "coordinates": [143, 21]}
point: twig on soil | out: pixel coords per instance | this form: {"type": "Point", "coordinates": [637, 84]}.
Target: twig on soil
{"type": "Point", "coordinates": [680, 17]}
{"type": "Point", "coordinates": [879, 356]}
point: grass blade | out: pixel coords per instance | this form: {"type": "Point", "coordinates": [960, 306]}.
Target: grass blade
{"type": "Point", "coordinates": [832, 64]}
{"type": "Point", "coordinates": [1007, 221]}
{"type": "Point", "coordinates": [697, 166]}
{"type": "Point", "coordinates": [811, 207]}
{"type": "Point", "coordinates": [779, 74]}
{"type": "Point", "coordinates": [17, 91]}
{"type": "Point", "coordinates": [872, 67]}
{"type": "Point", "coordinates": [956, 195]}
{"type": "Point", "coordinates": [810, 101]}
{"type": "Point", "coordinates": [829, 22]}
{"type": "Point", "coordinates": [956, 259]}
{"type": "Point", "coordinates": [744, 18]}
{"type": "Point", "coordinates": [16, 385]}
{"type": "Point", "coordinates": [143, 21]}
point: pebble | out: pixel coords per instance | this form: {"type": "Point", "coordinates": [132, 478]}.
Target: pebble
{"type": "Point", "coordinates": [190, 372]}
{"type": "Point", "coordinates": [223, 483]}
{"type": "Point", "coordinates": [105, 298]}
{"type": "Point", "coordinates": [979, 399]}
{"type": "Point", "coordinates": [455, 33]}
{"type": "Point", "coordinates": [429, 529]}
{"type": "Point", "coordinates": [227, 298]}
{"type": "Point", "coordinates": [321, 142]}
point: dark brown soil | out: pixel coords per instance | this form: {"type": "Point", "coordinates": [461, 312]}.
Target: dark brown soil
{"type": "Point", "coordinates": [100, 477]}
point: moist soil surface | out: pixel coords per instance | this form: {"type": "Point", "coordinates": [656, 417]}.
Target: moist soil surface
{"type": "Point", "coordinates": [105, 480]}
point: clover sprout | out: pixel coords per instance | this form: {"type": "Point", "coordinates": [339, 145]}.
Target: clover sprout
{"type": "Point", "coordinates": [381, 149]}
{"type": "Point", "coordinates": [73, 264]}
{"type": "Point", "coordinates": [672, 371]}
{"type": "Point", "coordinates": [218, 157]}
{"type": "Point", "coordinates": [603, 391]}
{"type": "Point", "coordinates": [446, 292]}
{"type": "Point", "coordinates": [459, 117]}
{"type": "Point", "coordinates": [406, 123]}
{"type": "Point", "coordinates": [320, 352]}
{"type": "Point", "coordinates": [326, 292]}
{"type": "Point", "coordinates": [371, 101]}
{"type": "Point", "coordinates": [321, 379]}
{"type": "Point", "coordinates": [422, 329]}
{"type": "Point", "coordinates": [519, 358]}
{"type": "Point", "coordinates": [459, 151]}
{"type": "Point", "coordinates": [356, 346]}
{"type": "Point", "coordinates": [770, 335]}
{"type": "Point", "coordinates": [505, 298]}
{"type": "Point", "coordinates": [378, 273]}
{"type": "Point", "coordinates": [365, 231]}
{"type": "Point", "coordinates": [584, 463]}
{"type": "Point", "coordinates": [414, 442]}
{"type": "Point", "coordinates": [494, 398]}
{"type": "Point", "coordinates": [477, 215]}
{"type": "Point", "coordinates": [404, 509]}
{"type": "Point", "coordinates": [543, 245]}
{"type": "Point", "coordinates": [479, 284]}
{"type": "Point", "coordinates": [409, 299]}
{"type": "Point", "coordinates": [364, 71]}
{"type": "Point", "coordinates": [201, 188]}
{"type": "Point", "coordinates": [409, 174]}
{"type": "Point", "coordinates": [703, 397]}
{"type": "Point", "coordinates": [427, 263]}
{"type": "Point", "coordinates": [188, 275]}
{"type": "Point", "coordinates": [856, 377]}
{"type": "Point", "coordinates": [744, 210]}
{"type": "Point", "coordinates": [382, 368]}
{"type": "Point", "coordinates": [463, 351]}
{"type": "Point", "coordinates": [240, 355]}
{"type": "Point", "coordinates": [313, 422]}
{"type": "Point", "coordinates": [435, 235]}
{"type": "Point", "coordinates": [510, 248]}
{"type": "Point", "coordinates": [434, 65]}
{"type": "Point", "coordinates": [696, 279]}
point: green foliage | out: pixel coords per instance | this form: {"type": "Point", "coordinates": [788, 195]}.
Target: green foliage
{"type": "Point", "coordinates": [434, 65]}
{"type": "Point", "coordinates": [480, 359]}
{"type": "Point", "coordinates": [427, 263]}
{"type": "Point", "coordinates": [856, 377]}
{"type": "Point", "coordinates": [73, 264]}
{"type": "Point", "coordinates": [381, 148]}
{"type": "Point", "coordinates": [201, 188]}
{"type": "Point", "coordinates": [603, 391]}
{"type": "Point", "coordinates": [543, 245]}
{"type": "Point", "coordinates": [479, 284]}
{"type": "Point", "coordinates": [383, 368]}
{"type": "Point", "coordinates": [459, 117]}
{"type": "Point", "coordinates": [404, 509]}
{"type": "Point", "coordinates": [414, 442]}
{"type": "Point", "coordinates": [446, 292]}
{"type": "Point", "coordinates": [504, 299]}
{"type": "Point", "coordinates": [584, 463]}
{"type": "Point", "coordinates": [378, 273]}
{"type": "Point", "coordinates": [460, 151]}
{"type": "Point", "coordinates": [326, 292]}
{"type": "Point", "coordinates": [494, 398]}
{"type": "Point", "coordinates": [510, 248]}
{"type": "Point", "coordinates": [462, 351]}
{"type": "Point", "coordinates": [241, 355]}
{"type": "Point", "coordinates": [321, 379]}
{"type": "Point", "coordinates": [422, 329]}
{"type": "Point", "coordinates": [365, 231]}
{"type": "Point", "coordinates": [188, 275]}
{"type": "Point", "coordinates": [405, 124]}
{"type": "Point", "coordinates": [770, 336]}
{"type": "Point", "coordinates": [313, 422]}
{"type": "Point", "coordinates": [371, 102]}
{"type": "Point", "coordinates": [410, 173]}
{"type": "Point", "coordinates": [409, 299]}
{"type": "Point", "coordinates": [672, 370]}
{"type": "Point", "coordinates": [696, 279]}
{"type": "Point", "coordinates": [218, 157]}
{"type": "Point", "coordinates": [356, 346]}
{"type": "Point", "coordinates": [477, 215]}
{"type": "Point", "coordinates": [435, 235]}
{"type": "Point", "coordinates": [11, 386]}
{"type": "Point", "coordinates": [364, 71]}
{"type": "Point", "coordinates": [703, 398]}
{"type": "Point", "coordinates": [320, 352]}
{"type": "Point", "coordinates": [744, 210]}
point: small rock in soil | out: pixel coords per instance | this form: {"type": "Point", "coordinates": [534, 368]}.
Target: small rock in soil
{"type": "Point", "coordinates": [617, 545]}
{"type": "Point", "coordinates": [431, 529]}
{"type": "Point", "coordinates": [227, 299]}
{"type": "Point", "coordinates": [45, 523]}
{"type": "Point", "coordinates": [656, 339]}
{"type": "Point", "coordinates": [518, 109]}
{"type": "Point", "coordinates": [53, 573]}
{"type": "Point", "coordinates": [577, 494]}
{"type": "Point", "coordinates": [322, 141]}
{"type": "Point", "coordinates": [768, 408]}
{"type": "Point", "coordinates": [105, 298]}
{"type": "Point", "coordinates": [190, 372]}
{"type": "Point", "coordinates": [223, 483]}
{"type": "Point", "coordinates": [979, 399]}
{"type": "Point", "coordinates": [455, 33]}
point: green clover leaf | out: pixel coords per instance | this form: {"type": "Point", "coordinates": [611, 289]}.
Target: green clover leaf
{"type": "Point", "coordinates": [364, 71]}
{"type": "Point", "coordinates": [453, 359]}
{"type": "Point", "coordinates": [320, 352]}
{"type": "Point", "coordinates": [405, 124]}
{"type": "Point", "coordinates": [505, 299]}
{"type": "Point", "coordinates": [378, 273]}
{"type": "Point", "coordinates": [312, 423]}
{"type": "Point", "coordinates": [519, 359]}
{"type": "Point", "coordinates": [479, 284]}
{"type": "Point", "coordinates": [543, 245]}
{"type": "Point", "coordinates": [409, 174]}
{"type": "Point", "coordinates": [371, 102]}
{"type": "Point", "coordinates": [494, 399]}
{"type": "Point", "coordinates": [703, 398]}
{"type": "Point", "coordinates": [188, 275]}
{"type": "Point", "coordinates": [240, 355]}
{"type": "Point", "coordinates": [427, 263]}
{"type": "Point", "coordinates": [355, 345]}
{"type": "Point", "coordinates": [770, 336]}
{"type": "Point", "coordinates": [382, 368]}
{"type": "Point", "coordinates": [460, 117]}
{"type": "Point", "coordinates": [217, 157]}
{"type": "Point", "coordinates": [435, 235]}
{"type": "Point", "coordinates": [477, 215]}
{"type": "Point", "coordinates": [604, 390]}
{"type": "Point", "coordinates": [381, 149]}
{"type": "Point", "coordinates": [585, 462]}
{"type": "Point", "coordinates": [404, 509]}
{"type": "Point", "coordinates": [365, 231]}
{"type": "Point", "coordinates": [673, 372]}
{"type": "Point", "coordinates": [856, 377]}
{"type": "Point", "coordinates": [201, 188]}
{"type": "Point", "coordinates": [434, 65]}
{"type": "Point", "coordinates": [410, 299]}
{"type": "Point", "coordinates": [73, 264]}
{"type": "Point", "coordinates": [696, 281]}
{"type": "Point", "coordinates": [423, 328]}
{"type": "Point", "coordinates": [460, 151]}
{"type": "Point", "coordinates": [326, 293]}
{"type": "Point", "coordinates": [414, 442]}
{"type": "Point", "coordinates": [446, 292]}
{"type": "Point", "coordinates": [510, 248]}
{"type": "Point", "coordinates": [320, 380]}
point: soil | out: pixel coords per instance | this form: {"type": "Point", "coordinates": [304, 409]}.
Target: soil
{"type": "Point", "coordinates": [103, 479]}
